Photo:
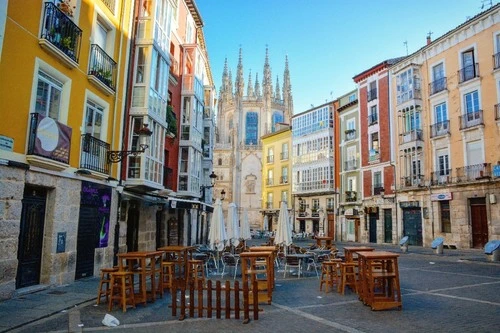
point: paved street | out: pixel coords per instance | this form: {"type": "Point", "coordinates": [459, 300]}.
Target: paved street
{"type": "Point", "coordinates": [456, 291]}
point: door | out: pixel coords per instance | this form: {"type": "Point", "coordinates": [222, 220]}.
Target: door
{"type": "Point", "coordinates": [479, 222]}
{"type": "Point", "coordinates": [133, 228]}
{"type": "Point", "coordinates": [29, 253]}
{"type": "Point", "coordinates": [86, 241]}
{"type": "Point", "coordinates": [412, 225]}
{"type": "Point", "coordinates": [388, 225]}
{"type": "Point", "coordinates": [373, 227]}
{"type": "Point", "coordinates": [468, 65]}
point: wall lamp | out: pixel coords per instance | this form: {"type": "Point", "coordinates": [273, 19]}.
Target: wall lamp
{"type": "Point", "coordinates": [115, 156]}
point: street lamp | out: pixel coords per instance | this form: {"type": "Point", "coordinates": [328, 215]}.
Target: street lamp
{"type": "Point", "coordinates": [115, 156]}
{"type": "Point", "coordinates": [213, 177]}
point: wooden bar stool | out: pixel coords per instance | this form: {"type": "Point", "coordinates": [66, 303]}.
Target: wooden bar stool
{"type": "Point", "coordinates": [196, 271]}
{"type": "Point", "coordinates": [122, 289]}
{"type": "Point", "coordinates": [347, 276]}
{"type": "Point", "coordinates": [329, 274]}
{"type": "Point", "coordinates": [105, 280]}
{"type": "Point", "coordinates": [167, 273]}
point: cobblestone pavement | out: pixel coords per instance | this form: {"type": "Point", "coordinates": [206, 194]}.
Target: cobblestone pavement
{"type": "Point", "coordinates": [456, 291]}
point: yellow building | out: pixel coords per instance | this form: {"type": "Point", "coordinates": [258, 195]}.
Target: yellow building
{"type": "Point", "coordinates": [276, 174]}
{"type": "Point", "coordinates": [447, 120]}
{"type": "Point", "coordinates": [63, 69]}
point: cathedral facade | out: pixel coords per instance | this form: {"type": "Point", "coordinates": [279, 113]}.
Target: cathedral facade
{"type": "Point", "coordinates": [244, 115]}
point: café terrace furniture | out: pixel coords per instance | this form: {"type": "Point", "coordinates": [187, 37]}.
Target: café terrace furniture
{"type": "Point", "coordinates": [379, 280]}
{"type": "Point", "coordinates": [258, 267]}
{"type": "Point", "coordinates": [348, 276]}
{"type": "Point", "coordinates": [179, 255]}
{"type": "Point", "coordinates": [122, 289]}
{"type": "Point", "coordinates": [273, 251]}
{"type": "Point", "coordinates": [145, 264]}
{"type": "Point", "coordinates": [324, 242]}
{"type": "Point", "coordinates": [316, 261]}
{"type": "Point", "coordinates": [329, 274]}
{"type": "Point", "coordinates": [231, 261]}
{"type": "Point", "coordinates": [293, 261]}
{"type": "Point", "coordinates": [105, 282]}
{"type": "Point", "coordinates": [352, 270]}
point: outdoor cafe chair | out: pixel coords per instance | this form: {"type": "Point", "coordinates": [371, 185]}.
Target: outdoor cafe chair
{"type": "Point", "coordinates": [231, 261]}
{"type": "Point", "coordinates": [317, 261]}
{"type": "Point", "coordinates": [293, 262]}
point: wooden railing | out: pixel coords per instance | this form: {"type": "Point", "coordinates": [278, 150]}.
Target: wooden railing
{"type": "Point", "coordinates": [210, 300]}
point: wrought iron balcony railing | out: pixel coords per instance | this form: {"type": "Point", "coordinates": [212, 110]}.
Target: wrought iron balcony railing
{"type": "Point", "coordinates": [270, 158]}
{"type": "Point", "coordinates": [440, 128]}
{"type": "Point", "coordinates": [496, 60]}
{"type": "Point", "coordinates": [474, 172]}
{"type": "Point", "coordinates": [372, 118]}
{"type": "Point", "coordinates": [61, 31]}
{"type": "Point", "coordinates": [371, 94]}
{"type": "Point", "coordinates": [497, 111]}
{"type": "Point", "coordinates": [412, 181]}
{"type": "Point", "coordinates": [378, 189]}
{"type": "Point", "coordinates": [351, 196]}
{"type": "Point", "coordinates": [350, 164]}
{"type": "Point", "coordinates": [41, 143]}
{"type": "Point", "coordinates": [284, 156]}
{"type": "Point", "coordinates": [468, 73]}
{"type": "Point", "coordinates": [437, 85]}
{"type": "Point", "coordinates": [102, 66]}
{"type": "Point", "coordinates": [412, 136]}
{"type": "Point", "coordinates": [441, 177]}
{"type": "Point", "coordinates": [471, 119]}
{"type": "Point", "coordinates": [284, 180]}
{"type": "Point", "coordinates": [350, 134]}
{"type": "Point", "coordinates": [94, 154]}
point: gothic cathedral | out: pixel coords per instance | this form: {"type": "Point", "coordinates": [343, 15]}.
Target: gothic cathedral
{"type": "Point", "coordinates": [242, 118]}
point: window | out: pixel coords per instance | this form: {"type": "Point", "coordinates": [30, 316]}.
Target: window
{"type": "Point", "coordinates": [373, 117]}
{"type": "Point", "coordinates": [93, 119]}
{"type": "Point", "coordinates": [284, 175]}
{"type": "Point", "coordinates": [277, 118]}
{"type": "Point", "coordinates": [352, 98]}
{"type": "Point", "coordinates": [443, 164]}
{"type": "Point", "coordinates": [270, 155]}
{"type": "Point", "coordinates": [471, 101]}
{"type": "Point", "coordinates": [315, 205]}
{"type": "Point", "coordinates": [405, 86]}
{"type": "Point", "coordinates": [48, 96]}
{"type": "Point", "coordinates": [184, 154]}
{"type": "Point", "coordinates": [474, 152]}
{"type": "Point", "coordinates": [440, 113]}
{"type": "Point", "coordinates": [284, 196]}
{"type": "Point", "coordinates": [270, 177]}
{"type": "Point", "coordinates": [468, 66]}
{"type": "Point", "coordinates": [269, 203]}
{"type": "Point", "coordinates": [439, 81]}
{"type": "Point", "coordinates": [284, 151]}
{"type": "Point", "coordinates": [444, 210]}
{"type": "Point", "coordinates": [251, 128]}
{"type": "Point", "coordinates": [374, 144]}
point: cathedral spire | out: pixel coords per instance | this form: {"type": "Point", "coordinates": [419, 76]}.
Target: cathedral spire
{"type": "Point", "coordinates": [240, 84]}
{"type": "Point", "coordinates": [230, 83]}
{"type": "Point", "coordinates": [277, 95]}
{"type": "Point", "coordinates": [267, 84]}
{"type": "Point", "coordinates": [257, 85]}
{"type": "Point", "coordinates": [287, 90]}
{"type": "Point", "coordinates": [250, 92]}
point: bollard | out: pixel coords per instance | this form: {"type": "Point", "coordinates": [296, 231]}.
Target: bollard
{"type": "Point", "coordinates": [438, 244]}
{"type": "Point", "coordinates": [403, 243]}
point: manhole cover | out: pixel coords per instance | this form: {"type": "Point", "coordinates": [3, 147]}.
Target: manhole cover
{"type": "Point", "coordinates": [56, 292]}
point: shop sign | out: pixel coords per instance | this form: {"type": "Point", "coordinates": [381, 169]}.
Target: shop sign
{"type": "Point", "coordinates": [441, 196]}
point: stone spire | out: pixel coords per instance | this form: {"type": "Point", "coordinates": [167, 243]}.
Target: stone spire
{"type": "Point", "coordinates": [230, 83]}
{"type": "Point", "coordinates": [267, 84]}
{"type": "Point", "coordinates": [287, 92]}
{"type": "Point", "coordinates": [240, 84]}
{"type": "Point", "coordinates": [250, 92]}
{"type": "Point", "coordinates": [277, 95]}
{"type": "Point", "coordinates": [257, 85]}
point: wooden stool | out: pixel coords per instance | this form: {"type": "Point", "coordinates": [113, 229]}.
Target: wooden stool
{"type": "Point", "coordinates": [196, 271]}
{"type": "Point", "coordinates": [167, 272]}
{"type": "Point", "coordinates": [122, 289]}
{"type": "Point", "coordinates": [329, 274]}
{"type": "Point", "coordinates": [105, 280]}
{"type": "Point", "coordinates": [347, 276]}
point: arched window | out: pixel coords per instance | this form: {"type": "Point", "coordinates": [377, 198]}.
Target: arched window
{"type": "Point", "coordinates": [277, 118]}
{"type": "Point", "coordinates": [252, 128]}
{"type": "Point", "coordinates": [220, 161]}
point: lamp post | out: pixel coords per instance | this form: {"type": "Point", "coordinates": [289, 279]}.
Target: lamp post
{"type": "Point", "coordinates": [115, 156]}
{"type": "Point", "coordinates": [199, 233]}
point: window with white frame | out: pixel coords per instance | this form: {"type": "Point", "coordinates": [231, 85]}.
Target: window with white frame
{"type": "Point", "coordinates": [443, 162]}
{"type": "Point", "coordinates": [284, 175]}
{"type": "Point", "coordinates": [468, 66]}
{"type": "Point", "coordinates": [270, 177]}
{"type": "Point", "coordinates": [377, 179]}
{"type": "Point", "coordinates": [496, 56]}
{"type": "Point", "coordinates": [284, 196]}
{"type": "Point", "coordinates": [404, 86]}
{"type": "Point", "coordinates": [471, 102]}
{"type": "Point", "coordinates": [269, 203]}
{"type": "Point", "coordinates": [440, 113]}
{"type": "Point", "coordinates": [351, 184]}
{"type": "Point", "coordinates": [374, 144]}
{"type": "Point", "coordinates": [93, 119]}
{"type": "Point", "coordinates": [48, 96]}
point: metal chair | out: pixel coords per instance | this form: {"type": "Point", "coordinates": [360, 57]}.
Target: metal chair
{"type": "Point", "coordinates": [293, 262]}
{"type": "Point", "coordinates": [317, 261]}
{"type": "Point", "coordinates": [229, 260]}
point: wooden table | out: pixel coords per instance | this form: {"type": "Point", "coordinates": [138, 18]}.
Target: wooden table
{"type": "Point", "coordinates": [137, 262]}
{"type": "Point", "coordinates": [379, 279]}
{"type": "Point", "coordinates": [179, 255]}
{"type": "Point", "coordinates": [324, 241]}
{"type": "Point", "coordinates": [250, 271]}
{"type": "Point", "coordinates": [350, 250]}
{"type": "Point", "coordinates": [270, 249]}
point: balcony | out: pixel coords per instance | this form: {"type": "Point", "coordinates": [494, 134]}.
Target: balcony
{"type": "Point", "coordinates": [351, 165]}
{"type": "Point", "coordinates": [60, 35]}
{"type": "Point", "coordinates": [94, 155]}
{"type": "Point", "coordinates": [269, 205]}
{"type": "Point", "coordinates": [474, 172]}
{"type": "Point", "coordinates": [49, 143]}
{"type": "Point", "coordinates": [372, 119]}
{"type": "Point", "coordinates": [284, 156]}
{"type": "Point", "coordinates": [437, 85]}
{"type": "Point", "coordinates": [441, 177]}
{"type": "Point", "coordinates": [284, 180]}
{"type": "Point", "coordinates": [371, 94]}
{"type": "Point", "coordinates": [373, 155]}
{"type": "Point", "coordinates": [496, 60]}
{"type": "Point", "coordinates": [497, 111]}
{"type": "Point", "coordinates": [270, 158]}
{"type": "Point", "coordinates": [412, 181]}
{"type": "Point", "coordinates": [410, 94]}
{"type": "Point", "coordinates": [102, 70]}
{"type": "Point", "coordinates": [468, 73]}
{"type": "Point", "coordinates": [350, 134]}
{"type": "Point", "coordinates": [378, 189]}
{"type": "Point", "coordinates": [471, 119]}
{"type": "Point", "coordinates": [351, 196]}
{"type": "Point", "coordinates": [411, 137]}
{"type": "Point", "coordinates": [440, 128]}
{"type": "Point", "coordinates": [269, 181]}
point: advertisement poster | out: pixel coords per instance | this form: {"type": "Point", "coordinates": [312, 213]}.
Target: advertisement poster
{"type": "Point", "coordinates": [98, 196]}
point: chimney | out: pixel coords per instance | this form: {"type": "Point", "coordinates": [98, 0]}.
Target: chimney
{"type": "Point", "coordinates": [428, 39]}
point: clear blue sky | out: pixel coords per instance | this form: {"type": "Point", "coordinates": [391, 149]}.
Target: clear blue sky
{"type": "Point", "coordinates": [327, 41]}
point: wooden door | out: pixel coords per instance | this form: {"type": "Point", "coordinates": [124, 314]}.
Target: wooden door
{"type": "Point", "coordinates": [412, 225]}
{"type": "Point", "coordinates": [29, 253]}
{"type": "Point", "coordinates": [388, 225]}
{"type": "Point", "coordinates": [133, 228]}
{"type": "Point", "coordinates": [87, 239]}
{"type": "Point", "coordinates": [373, 227]}
{"type": "Point", "coordinates": [479, 222]}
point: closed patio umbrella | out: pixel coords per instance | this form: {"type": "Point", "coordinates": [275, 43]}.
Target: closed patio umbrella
{"type": "Point", "coordinates": [217, 234]}
{"type": "Point", "coordinates": [284, 230]}
{"type": "Point", "coordinates": [245, 226]}
{"type": "Point", "coordinates": [233, 229]}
